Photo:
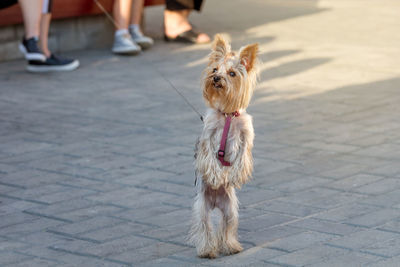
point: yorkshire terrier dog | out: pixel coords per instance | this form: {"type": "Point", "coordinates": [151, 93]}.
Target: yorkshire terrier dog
{"type": "Point", "coordinates": [223, 156]}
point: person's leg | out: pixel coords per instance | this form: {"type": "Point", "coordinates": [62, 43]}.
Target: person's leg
{"type": "Point", "coordinates": [122, 13]}
{"type": "Point", "coordinates": [31, 11]}
{"type": "Point", "coordinates": [123, 43]}
{"type": "Point", "coordinates": [136, 11]}
{"type": "Point", "coordinates": [176, 19]}
{"type": "Point", "coordinates": [52, 62]}
{"type": "Point", "coordinates": [134, 27]}
{"type": "Point", "coordinates": [44, 32]}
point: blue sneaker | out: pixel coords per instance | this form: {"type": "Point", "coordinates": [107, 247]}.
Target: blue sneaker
{"type": "Point", "coordinates": [53, 63]}
{"type": "Point", "coordinates": [30, 49]}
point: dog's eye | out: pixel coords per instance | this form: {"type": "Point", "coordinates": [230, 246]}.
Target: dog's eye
{"type": "Point", "coordinates": [214, 70]}
{"type": "Point", "coordinates": [232, 74]}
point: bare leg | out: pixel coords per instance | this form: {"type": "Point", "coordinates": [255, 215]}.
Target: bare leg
{"type": "Point", "coordinates": [44, 34]}
{"type": "Point", "coordinates": [176, 22]}
{"type": "Point", "coordinates": [31, 11]}
{"type": "Point", "coordinates": [201, 232]}
{"type": "Point", "coordinates": [227, 234]}
{"type": "Point", "coordinates": [122, 13]}
{"type": "Point", "coordinates": [137, 8]}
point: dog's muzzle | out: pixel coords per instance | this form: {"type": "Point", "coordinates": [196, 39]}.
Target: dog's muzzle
{"type": "Point", "coordinates": [217, 82]}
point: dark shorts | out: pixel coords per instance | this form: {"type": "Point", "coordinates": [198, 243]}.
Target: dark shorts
{"type": "Point", "coordinates": [7, 3]}
{"type": "Point", "coordinates": [183, 4]}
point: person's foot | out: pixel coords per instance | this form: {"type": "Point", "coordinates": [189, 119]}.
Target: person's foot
{"type": "Point", "coordinates": [123, 44]}
{"type": "Point", "coordinates": [191, 36]}
{"type": "Point", "coordinates": [29, 47]}
{"type": "Point", "coordinates": [178, 28]}
{"type": "Point", "coordinates": [139, 38]}
{"type": "Point", "coordinates": [52, 63]}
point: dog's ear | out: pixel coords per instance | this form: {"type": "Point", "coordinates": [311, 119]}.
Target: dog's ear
{"type": "Point", "coordinates": [220, 47]}
{"type": "Point", "coordinates": [248, 56]}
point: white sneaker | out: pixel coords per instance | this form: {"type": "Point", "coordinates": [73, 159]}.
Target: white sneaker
{"type": "Point", "coordinates": [137, 36]}
{"type": "Point", "coordinates": [123, 44]}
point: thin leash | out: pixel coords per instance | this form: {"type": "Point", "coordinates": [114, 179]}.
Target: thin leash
{"type": "Point", "coordinates": [106, 13]}
{"type": "Point", "coordinates": [179, 93]}
{"type": "Point", "coordinates": [165, 78]}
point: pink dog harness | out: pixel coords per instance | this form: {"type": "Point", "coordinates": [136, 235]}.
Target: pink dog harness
{"type": "Point", "coordinates": [221, 151]}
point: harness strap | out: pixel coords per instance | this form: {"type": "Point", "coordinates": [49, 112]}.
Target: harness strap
{"type": "Point", "coordinates": [221, 151]}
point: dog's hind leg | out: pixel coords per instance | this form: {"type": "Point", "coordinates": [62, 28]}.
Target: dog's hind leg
{"type": "Point", "coordinates": [201, 234]}
{"type": "Point", "coordinates": [227, 202]}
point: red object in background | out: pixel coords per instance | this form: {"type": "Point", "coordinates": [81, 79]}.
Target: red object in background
{"type": "Point", "coordinates": [65, 9]}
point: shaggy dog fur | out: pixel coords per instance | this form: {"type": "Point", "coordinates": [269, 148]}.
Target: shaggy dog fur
{"type": "Point", "coordinates": [228, 83]}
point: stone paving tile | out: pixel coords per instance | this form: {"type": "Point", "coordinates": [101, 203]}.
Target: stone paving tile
{"type": "Point", "coordinates": [266, 220]}
{"type": "Point", "coordinates": [346, 212]}
{"type": "Point", "coordinates": [390, 199]}
{"type": "Point", "coordinates": [9, 257]}
{"type": "Point", "coordinates": [91, 184]}
{"type": "Point", "coordinates": [61, 207]}
{"type": "Point", "coordinates": [380, 187]}
{"type": "Point", "coordinates": [299, 241]}
{"type": "Point", "coordinates": [348, 259]}
{"type": "Point", "coordinates": [99, 171]}
{"type": "Point", "coordinates": [344, 171]}
{"type": "Point", "coordinates": [167, 262]}
{"type": "Point", "coordinates": [363, 239]}
{"type": "Point", "coordinates": [137, 214]}
{"type": "Point", "coordinates": [393, 226]}
{"type": "Point", "coordinates": [392, 262]}
{"type": "Point", "coordinates": [387, 248]}
{"type": "Point", "coordinates": [251, 257]}
{"type": "Point", "coordinates": [44, 237]}
{"type": "Point", "coordinates": [154, 251]}
{"type": "Point", "coordinates": [390, 170]}
{"type": "Point", "coordinates": [117, 231]}
{"type": "Point", "coordinates": [324, 198]}
{"type": "Point", "coordinates": [301, 184]}
{"type": "Point", "coordinates": [66, 195]}
{"type": "Point", "coordinates": [250, 196]}
{"type": "Point", "coordinates": [271, 179]}
{"type": "Point", "coordinates": [29, 227]}
{"type": "Point", "coordinates": [306, 256]}
{"type": "Point", "coordinates": [293, 209]}
{"type": "Point", "coordinates": [37, 263]}
{"type": "Point", "coordinates": [188, 257]}
{"type": "Point", "coordinates": [6, 244]}
{"type": "Point", "coordinates": [114, 247]}
{"type": "Point", "coordinates": [15, 219]}
{"type": "Point", "coordinates": [148, 175]}
{"type": "Point", "coordinates": [167, 219]}
{"type": "Point", "coordinates": [10, 205]}
{"type": "Point", "coordinates": [64, 258]}
{"type": "Point", "coordinates": [325, 227]}
{"type": "Point", "coordinates": [36, 192]}
{"type": "Point", "coordinates": [90, 212]}
{"type": "Point", "coordinates": [374, 218]}
{"type": "Point", "coordinates": [86, 225]}
{"type": "Point", "coordinates": [353, 183]}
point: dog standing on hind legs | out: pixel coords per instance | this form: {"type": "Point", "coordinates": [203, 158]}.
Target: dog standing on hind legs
{"type": "Point", "coordinates": [223, 152]}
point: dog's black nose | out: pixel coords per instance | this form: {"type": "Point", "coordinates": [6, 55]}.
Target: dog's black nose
{"type": "Point", "coordinates": [216, 79]}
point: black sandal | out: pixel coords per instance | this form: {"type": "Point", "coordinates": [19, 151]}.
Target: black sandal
{"type": "Point", "coordinates": [189, 36]}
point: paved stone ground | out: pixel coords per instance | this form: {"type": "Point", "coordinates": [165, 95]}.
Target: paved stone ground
{"type": "Point", "coordinates": [96, 165]}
